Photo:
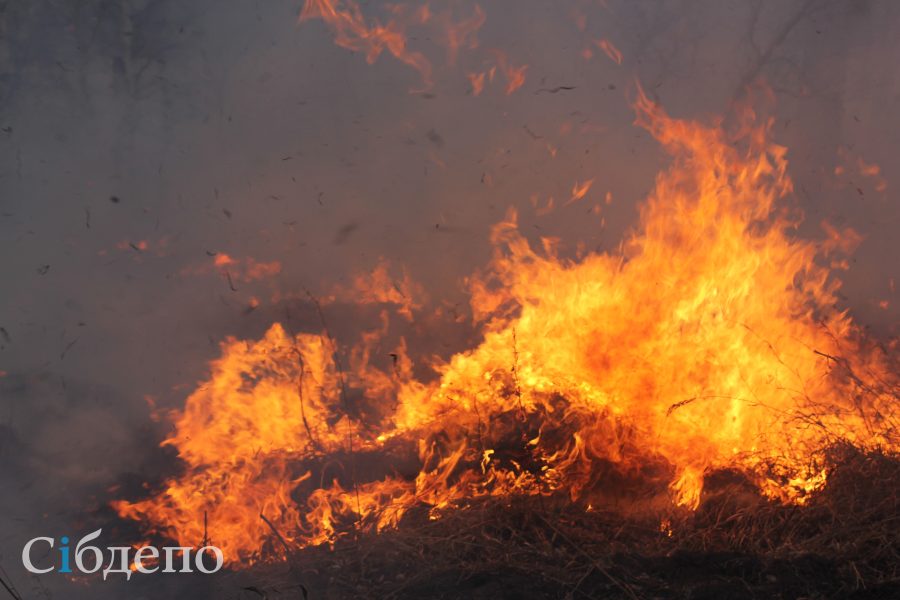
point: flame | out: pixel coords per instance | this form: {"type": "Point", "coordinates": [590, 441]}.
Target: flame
{"type": "Point", "coordinates": [548, 208]}
{"type": "Point", "coordinates": [380, 287]}
{"type": "Point", "coordinates": [247, 269]}
{"type": "Point", "coordinates": [352, 32]}
{"type": "Point", "coordinates": [515, 76]}
{"type": "Point", "coordinates": [139, 246]}
{"type": "Point", "coordinates": [858, 166]}
{"type": "Point", "coordinates": [579, 191]}
{"type": "Point", "coordinates": [611, 51]}
{"type": "Point", "coordinates": [476, 80]}
{"type": "Point", "coordinates": [462, 34]}
{"type": "Point", "coordinates": [708, 340]}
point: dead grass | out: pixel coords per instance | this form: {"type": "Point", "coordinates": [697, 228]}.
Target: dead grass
{"type": "Point", "coordinates": [844, 543]}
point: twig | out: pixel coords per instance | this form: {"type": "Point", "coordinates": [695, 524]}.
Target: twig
{"type": "Point", "coordinates": [672, 408]}
{"type": "Point", "coordinates": [619, 584]}
{"type": "Point", "coordinates": [67, 348]}
{"type": "Point", "coordinates": [343, 388]}
{"type": "Point", "coordinates": [12, 591]}
{"type": "Point", "coordinates": [281, 539]}
{"type": "Point", "coordinates": [779, 39]}
{"type": "Point", "coordinates": [557, 89]}
{"type": "Point", "coordinates": [843, 362]}
{"type": "Point", "coordinates": [205, 529]}
{"type": "Point", "coordinates": [515, 373]}
{"type": "Point", "coordinates": [312, 440]}
{"type": "Point", "coordinates": [230, 282]}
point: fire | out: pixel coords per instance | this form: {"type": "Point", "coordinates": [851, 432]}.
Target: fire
{"type": "Point", "coordinates": [462, 34]}
{"type": "Point", "coordinates": [708, 340]}
{"type": "Point", "coordinates": [580, 190]}
{"type": "Point", "coordinates": [476, 80]}
{"type": "Point", "coordinates": [246, 269]}
{"type": "Point", "coordinates": [372, 37]}
{"type": "Point", "coordinates": [353, 32]}
{"type": "Point", "coordinates": [611, 51]}
{"type": "Point", "coordinates": [379, 287]}
{"type": "Point", "coordinates": [515, 75]}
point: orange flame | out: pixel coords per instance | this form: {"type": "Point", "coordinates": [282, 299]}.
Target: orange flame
{"type": "Point", "coordinates": [579, 191]}
{"type": "Point", "coordinates": [476, 80]}
{"type": "Point", "coordinates": [515, 76]}
{"type": "Point", "coordinates": [611, 51]}
{"type": "Point", "coordinates": [461, 34]}
{"type": "Point", "coordinates": [352, 32]}
{"type": "Point", "coordinates": [379, 287]}
{"type": "Point", "coordinates": [709, 340]}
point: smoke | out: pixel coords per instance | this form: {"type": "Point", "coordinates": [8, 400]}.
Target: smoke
{"type": "Point", "coordinates": [142, 140]}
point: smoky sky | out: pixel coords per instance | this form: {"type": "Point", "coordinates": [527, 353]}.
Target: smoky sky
{"type": "Point", "coordinates": [139, 140]}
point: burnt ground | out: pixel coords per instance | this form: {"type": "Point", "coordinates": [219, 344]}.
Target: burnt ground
{"type": "Point", "coordinates": [844, 542]}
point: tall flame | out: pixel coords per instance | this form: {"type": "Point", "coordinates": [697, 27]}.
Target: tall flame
{"type": "Point", "coordinates": [708, 340]}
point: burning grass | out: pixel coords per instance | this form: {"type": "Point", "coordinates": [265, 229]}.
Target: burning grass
{"type": "Point", "coordinates": [843, 542]}
{"type": "Point", "coordinates": [711, 344]}
{"type": "Point", "coordinates": [712, 339]}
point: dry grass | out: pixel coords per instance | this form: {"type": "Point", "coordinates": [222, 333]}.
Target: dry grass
{"type": "Point", "coordinates": [844, 543]}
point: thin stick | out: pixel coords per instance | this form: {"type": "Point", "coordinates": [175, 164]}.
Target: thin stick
{"type": "Point", "coordinates": [205, 529]}
{"type": "Point", "coordinates": [619, 584]}
{"type": "Point", "coordinates": [12, 591]}
{"type": "Point", "coordinates": [340, 370]}
{"type": "Point", "coordinates": [281, 539]}
{"type": "Point", "coordinates": [312, 440]}
{"type": "Point", "coordinates": [515, 372]}
{"type": "Point", "coordinates": [230, 282]}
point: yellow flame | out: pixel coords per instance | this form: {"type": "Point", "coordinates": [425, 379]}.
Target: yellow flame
{"type": "Point", "coordinates": [709, 340]}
